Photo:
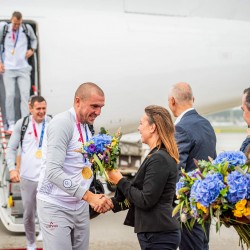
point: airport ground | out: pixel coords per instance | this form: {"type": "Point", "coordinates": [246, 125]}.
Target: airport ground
{"type": "Point", "coordinates": [108, 232]}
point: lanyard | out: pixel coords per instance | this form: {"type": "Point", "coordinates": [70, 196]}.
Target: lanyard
{"type": "Point", "coordinates": [42, 133]}
{"type": "Point", "coordinates": [78, 124]}
{"type": "Point", "coordinates": [15, 39]}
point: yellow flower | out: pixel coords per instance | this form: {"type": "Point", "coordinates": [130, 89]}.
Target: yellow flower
{"type": "Point", "coordinates": [216, 206]}
{"type": "Point", "coordinates": [199, 206]}
{"type": "Point", "coordinates": [237, 213]}
{"type": "Point", "coordinates": [240, 205]}
{"type": "Point", "coordinates": [247, 211]}
{"type": "Point", "coordinates": [225, 179]}
{"type": "Point", "coordinates": [114, 142]}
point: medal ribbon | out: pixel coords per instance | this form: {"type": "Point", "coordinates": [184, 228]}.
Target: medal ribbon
{"type": "Point", "coordinates": [15, 38]}
{"type": "Point", "coordinates": [78, 124]}
{"type": "Point", "coordinates": [42, 133]}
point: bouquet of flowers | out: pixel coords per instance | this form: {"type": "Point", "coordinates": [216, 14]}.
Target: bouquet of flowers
{"type": "Point", "coordinates": [218, 189]}
{"type": "Point", "coordinates": [102, 150]}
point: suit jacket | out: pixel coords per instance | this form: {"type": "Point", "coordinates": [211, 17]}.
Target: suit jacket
{"type": "Point", "coordinates": [245, 145]}
{"type": "Point", "coordinates": [195, 138]}
{"type": "Point", "coordinates": [150, 194]}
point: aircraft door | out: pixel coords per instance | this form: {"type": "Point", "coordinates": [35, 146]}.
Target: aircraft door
{"type": "Point", "coordinates": [35, 78]}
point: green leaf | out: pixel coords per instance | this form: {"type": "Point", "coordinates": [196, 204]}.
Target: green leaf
{"type": "Point", "coordinates": [184, 189]}
{"type": "Point", "coordinates": [218, 225]}
{"type": "Point", "coordinates": [176, 209]}
{"type": "Point", "coordinates": [224, 191]}
{"type": "Point", "coordinates": [239, 170]}
{"type": "Point", "coordinates": [101, 169]}
{"type": "Point", "coordinates": [245, 169]}
{"type": "Point", "coordinates": [192, 221]}
{"type": "Point", "coordinates": [224, 169]}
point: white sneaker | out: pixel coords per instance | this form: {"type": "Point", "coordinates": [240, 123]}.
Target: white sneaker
{"type": "Point", "coordinates": [39, 237]}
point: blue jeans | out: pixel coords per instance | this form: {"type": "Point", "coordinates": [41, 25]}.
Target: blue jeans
{"type": "Point", "coordinates": [160, 240]}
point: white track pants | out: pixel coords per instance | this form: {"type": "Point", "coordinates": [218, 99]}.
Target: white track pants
{"type": "Point", "coordinates": [63, 228]}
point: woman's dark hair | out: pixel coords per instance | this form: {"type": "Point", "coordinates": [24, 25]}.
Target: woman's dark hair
{"type": "Point", "coordinates": [247, 92]}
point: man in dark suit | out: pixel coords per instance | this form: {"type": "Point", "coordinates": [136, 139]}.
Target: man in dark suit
{"type": "Point", "coordinates": [196, 140]}
{"type": "Point", "coordinates": [245, 106]}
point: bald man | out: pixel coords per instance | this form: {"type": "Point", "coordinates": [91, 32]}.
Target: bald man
{"type": "Point", "coordinates": [63, 192]}
{"type": "Point", "coordinates": [196, 140]}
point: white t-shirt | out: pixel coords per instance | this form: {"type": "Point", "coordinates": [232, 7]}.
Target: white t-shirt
{"type": "Point", "coordinates": [16, 60]}
{"type": "Point", "coordinates": [30, 167]}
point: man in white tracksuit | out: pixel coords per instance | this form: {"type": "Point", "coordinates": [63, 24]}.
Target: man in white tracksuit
{"type": "Point", "coordinates": [16, 47]}
{"type": "Point", "coordinates": [63, 192]}
{"type": "Point", "coordinates": [31, 157]}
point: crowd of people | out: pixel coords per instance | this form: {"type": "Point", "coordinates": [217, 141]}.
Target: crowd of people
{"type": "Point", "coordinates": [51, 171]}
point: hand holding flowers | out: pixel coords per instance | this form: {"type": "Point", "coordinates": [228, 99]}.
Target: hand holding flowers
{"type": "Point", "coordinates": [114, 176]}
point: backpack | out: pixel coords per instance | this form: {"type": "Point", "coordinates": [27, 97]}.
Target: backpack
{"type": "Point", "coordinates": [5, 31]}
{"type": "Point", "coordinates": [24, 127]}
{"type": "Point", "coordinates": [31, 60]}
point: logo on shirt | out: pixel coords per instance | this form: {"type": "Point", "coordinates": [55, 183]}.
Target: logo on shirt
{"type": "Point", "coordinates": [67, 183]}
{"type": "Point", "coordinates": [51, 226]}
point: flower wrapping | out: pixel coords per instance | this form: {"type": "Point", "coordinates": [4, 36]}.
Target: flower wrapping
{"type": "Point", "coordinates": [217, 190]}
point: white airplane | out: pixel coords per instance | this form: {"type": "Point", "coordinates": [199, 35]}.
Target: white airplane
{"type": "Point", "coordinates": [135, 50]}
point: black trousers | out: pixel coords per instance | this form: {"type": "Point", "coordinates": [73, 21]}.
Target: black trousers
{"type": "Point", "coordinates": [160, 240]}
{"type": "Point", "coordinates": [195, 239]}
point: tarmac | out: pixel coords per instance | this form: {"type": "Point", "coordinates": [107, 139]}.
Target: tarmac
{"type": "Point", "coordinates": [107, 232]}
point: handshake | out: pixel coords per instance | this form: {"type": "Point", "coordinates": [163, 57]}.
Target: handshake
{"type": "Point", "coordinates": [99, 202]}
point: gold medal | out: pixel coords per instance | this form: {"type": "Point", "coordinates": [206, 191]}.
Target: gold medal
{"type": "Point", "coordinates": [86, 173]}
{"type": "Point", "coordinates": [39, 153]}
{"type": "Point", "coordinates": [12, 51]}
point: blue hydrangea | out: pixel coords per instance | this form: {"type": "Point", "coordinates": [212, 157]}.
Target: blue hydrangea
{"type": "Point", "coordinates": [238, 186]}
{"type": "Point", "coordinates": [180, 184]}
{"type": "Point", "coordinates": [208, 189]}
{"type": "Point", "coordinates": [194, 173]}
{"type": "Point", "coordinates": [100, 142]}
{"type": "Point", "coordinates": [248, 186]}
{"type": "Point", "coordinates": [192, 198]}
{"type": "Point", "coordinates": [234, 158]}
